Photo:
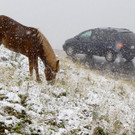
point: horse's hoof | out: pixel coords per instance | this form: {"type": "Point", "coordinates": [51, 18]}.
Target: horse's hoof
{"type": "Point", "coordinates": [31, 78]}
{"type": "Point", "coordinates": [39, 81]}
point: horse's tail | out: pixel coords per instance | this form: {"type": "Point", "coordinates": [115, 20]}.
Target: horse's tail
{"type": "Point", "coordinates": [48, 51]}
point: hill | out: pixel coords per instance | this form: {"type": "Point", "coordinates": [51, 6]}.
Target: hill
{"type": "Point", "coordinates": [81, 101]}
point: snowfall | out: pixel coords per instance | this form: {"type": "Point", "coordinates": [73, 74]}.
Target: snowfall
{"type": "Point", "coordinates": [81, 102]}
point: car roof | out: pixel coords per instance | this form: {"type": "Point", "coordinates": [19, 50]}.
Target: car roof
{"type": "Point", "coordinates": [119, 30]}
{"type": "Point", "coordinates": [123, 30]}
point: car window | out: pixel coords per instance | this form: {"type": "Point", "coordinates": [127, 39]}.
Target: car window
{"type": "Point", "coordinates": [101, 35]}
{"type": "Point", "coordinates": [128, 37]}
{"type": "Point", "coordinates": [111, 36]}
{"type": "Point", "coordinates": [98, 35]}
{"type": "Point", "coordinates": [104, 35]}
{"type": "Point", "coordinates": [86, 35]}
{"type": "Point", "coordinates": [94, 35]}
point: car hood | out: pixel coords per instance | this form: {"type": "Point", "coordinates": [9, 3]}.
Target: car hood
{"type": "Point", "coordinates": [71, 40]}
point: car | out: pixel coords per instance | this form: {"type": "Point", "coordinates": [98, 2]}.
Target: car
{"type": "Point", "coordinates": [106, 42]}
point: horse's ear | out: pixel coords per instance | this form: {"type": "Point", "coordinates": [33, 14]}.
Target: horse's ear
{"type": "Point", "coordinates": [57, 66]}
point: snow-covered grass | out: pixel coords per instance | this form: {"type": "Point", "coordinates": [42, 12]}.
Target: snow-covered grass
{"type": "Point", "coordinates": [81, 102]}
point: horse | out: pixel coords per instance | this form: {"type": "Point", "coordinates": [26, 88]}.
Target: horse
{"type": "Point", "coordinates": [30, 42]}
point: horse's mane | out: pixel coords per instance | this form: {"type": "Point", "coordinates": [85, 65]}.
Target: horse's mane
{"type": "Point", "coordinates": [48, 51]}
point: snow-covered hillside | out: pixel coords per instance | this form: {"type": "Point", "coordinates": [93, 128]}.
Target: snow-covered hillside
{"type": "Point", "coordinates": [82, 102]}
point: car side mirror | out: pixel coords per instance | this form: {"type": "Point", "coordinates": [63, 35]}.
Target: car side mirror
{"type": "Point", "coordinates": [77, 37]}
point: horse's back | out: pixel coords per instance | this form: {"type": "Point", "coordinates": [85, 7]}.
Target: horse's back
{"type": "Point", "coordinates": [12, 24]}
{"type": "Point", "coordinates": [18, 37]}
{"type": "Point", "coordinates": [17, 29]}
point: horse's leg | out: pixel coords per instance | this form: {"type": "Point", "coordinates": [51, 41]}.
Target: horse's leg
{"type": "Point", "coordinates": [31, 65]}
{"type": "Point", "coordinates": [36, 69]}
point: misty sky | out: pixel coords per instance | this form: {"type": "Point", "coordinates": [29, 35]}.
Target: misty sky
{"type": "Point", "coordinates": [59, 20]}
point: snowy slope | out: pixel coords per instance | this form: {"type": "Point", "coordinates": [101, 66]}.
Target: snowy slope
{"type": "Point", "coordinates": [80, 102]}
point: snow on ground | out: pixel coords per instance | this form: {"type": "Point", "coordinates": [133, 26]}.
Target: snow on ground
{"type": "Point", "coordinates": [81, 102]}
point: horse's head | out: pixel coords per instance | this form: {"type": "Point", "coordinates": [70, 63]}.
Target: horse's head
{"type": "Point", "coordinates": [50, 73]}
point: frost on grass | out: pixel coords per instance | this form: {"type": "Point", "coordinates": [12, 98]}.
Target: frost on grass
{"type": "Point", "coordinates": [80, 102]}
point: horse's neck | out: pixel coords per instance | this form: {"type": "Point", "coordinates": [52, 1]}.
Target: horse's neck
{"type": "Point", "coordinates": [49, 54]}
{"type": "Point", "coordinates": [51, 59]}
{"type": "Point", "coordinates": [45, 61]}
{"type": "Point", "coordinates": [43, 58]}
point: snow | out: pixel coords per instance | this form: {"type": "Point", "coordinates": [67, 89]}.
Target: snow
{"type": "Point", "coordinates": [28, 32]}
{"type": "Point", "coordinates": [12, 97]}
{"type": "Point", "coordinates": [80, 100]}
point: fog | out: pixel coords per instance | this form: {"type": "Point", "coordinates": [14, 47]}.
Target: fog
{"type": "Point", "coordinates": [59, 20]}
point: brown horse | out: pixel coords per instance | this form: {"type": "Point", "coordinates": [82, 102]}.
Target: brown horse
{"type": "Point", "coordinates": [31, 43]}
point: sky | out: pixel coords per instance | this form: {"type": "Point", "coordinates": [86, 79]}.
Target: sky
{"type": "Point", "coordinates": [60, 20]}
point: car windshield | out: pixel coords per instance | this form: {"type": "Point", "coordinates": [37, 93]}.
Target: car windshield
{"type": "Point", "coordinates": [85, 35]}
{"type": "Point", "coordinates": [128, 37]}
